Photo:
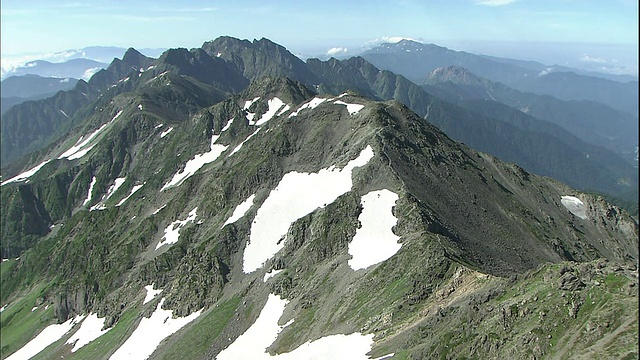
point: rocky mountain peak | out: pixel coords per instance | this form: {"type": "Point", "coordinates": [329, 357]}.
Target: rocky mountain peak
{"type": "Point", "coordinates": [136, 59]}
{"type": "Point", "coordinates": [455, 74]}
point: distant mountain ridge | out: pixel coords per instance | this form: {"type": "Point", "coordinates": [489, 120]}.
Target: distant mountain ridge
{"type": "Point", "coordinates": [70, 60]}
{"type": "Point", "coordinates": [416, 61]}
{"type": "Point", "coordinates": [74, 68]}
{"type": "Point", "coordinates": [18, 89]}
{"type": "Point", "coordinates": [591, 121]}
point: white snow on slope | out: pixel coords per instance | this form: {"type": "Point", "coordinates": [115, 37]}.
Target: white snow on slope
{"type": "Point", "coordinates": [271, 274]}
{"type": "Point", "coordinates": [265, 330]}
{"type": "Point", "coordinates": [133, 191]}
{"type": "Point", "coordinates": [575, 206]}
{"type": "Point", "coordinates": [166, 132]}
{"type": "Point", "coordinates": [90, 329]}
{"type": "Point", "coordinates": [247, 105]}
{"type": "Point", "coordinates": [284, 110]}
{"type": "Point", "coordinates": [351, 108]}
{"type": "Point", "coordinates": [312, 104]}
{"type": "Point", "coordinates": [374, 241]}
{"type": "Point", "coordinates": [240, 210]}
{"type": "Point", "coordinates": [237, 148]}
{"type": "Point", "coordinates": [172, 232]}
{"type": "Point", "coordinates": [158, 210]}
{"type": "Point", "coordinates": [91, 185]}
{"type": "Point", "coordinates": [150, 333]}
{"type": "Point", "coordinates": [151, 294]}
{"type": "Point", "coordinates": [196, 163]}
{"type": "Point", "coordinates": [112, 189]}
{"type": "Point", "coordinates": [227, 126]}
{"type": "Point", "coordinates": [27, 174]}
{"type": "Point", "coordinates": [82, 146]}
{"type": "Point", "coordinates": [48, 336]}
{"type": "Point", "coordinates": [274, 105]}
{"type": "Point", "coordinates": [297, 195]}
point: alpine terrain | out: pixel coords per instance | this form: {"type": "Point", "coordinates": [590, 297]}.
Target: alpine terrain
{"type": "Point", "coordinates": [235, 202]}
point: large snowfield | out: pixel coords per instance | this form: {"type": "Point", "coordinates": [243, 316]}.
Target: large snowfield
{"type": "Point", "coordinates": [252, 344]}
{"type": "Point", "coordinates": [46, 337]}
{"type": "Point", "coordinates": [291, 200]}
{"type": "Point", "coordinates": [90, 329]}
{"type": "Point", "coordinates": [150, 333]}
{"type": "Point", "coordinates": [374, 241]}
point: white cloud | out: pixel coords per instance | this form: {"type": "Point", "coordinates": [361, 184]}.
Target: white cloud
{"type": "Point", "coordinates": [336, 51]}
{"type": "Point", "coordinates": [90, 72]}
{"type": "Point", "coordinates": [599, 60]}
{"type": "Point", "coordinates": [396, 39]}
{"type": "Point", "coordinates": [388, 39]}
{"type": "Point", "coordinates": [494, 2]}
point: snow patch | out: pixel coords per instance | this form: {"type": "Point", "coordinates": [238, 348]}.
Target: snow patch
{"type": "Point", "coordinates": [375, 241]}
{"type": "Point", "coordinates": [140, 107]}
{"type": "Point", "coordinates": [150, 293]}
{"type": "Point", "coordinates": [252, 344]}
{"type": "Point", "coordinates": [275, 104]}
{"type": "Point", "coordinates": [309, 105]}
{"type": "Point", "coordinates": [27, 174]}
{"type": "Point", "coordinates": [271, 274]}
{"type": "Point", "coordinates": [351, 108]}
{"type": "Point", "coordinates": [247, 105]}
{"type": "Point", "coordinates": [112, 189]}
{"type": "Point", "coordinates": [91, 185]}
{"type": "Point", "coordinates": [166, 132]}
{"type": "Point", "coordinates": [157, 211]}
{"type": "Point", "coordinates": [240, 210]}
{"type": "Point", "coordinates": [159, 126]}
{"type": "Point", "coordinates": [227, 126]}
{"type": "Point", "coordinates": [90, 329]}
{"type": "Point", "coordinates": [575, 206]}
{"type": "Point", "coordinates": [196, 163]}
{"type": "Point", "coordinates": [64, 113]}
{"type": "Point", "coordinates": [82, 147]}
{"type": "Point", "coordinates": [48, 336]}
{"type": "Point", "coordinates": [172, 232]}
{"type": "Point", "coordinates": [284, 110]}
{"type": "Point", "coordinates": [297, 195]}
{"type": "Point", "coordinates": [150, 333]}
{"type": "Point", "coordinates": [237, 148]}
{"type": "Point", "coordinates": [133, 191]}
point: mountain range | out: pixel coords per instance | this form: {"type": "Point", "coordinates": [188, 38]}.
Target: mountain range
{"type": "Point", "coordinates": [233, 201]}
{"type": "Point", "coordinates": [230, 64]}
{"type": "Point", "coordinates": [416, 61]}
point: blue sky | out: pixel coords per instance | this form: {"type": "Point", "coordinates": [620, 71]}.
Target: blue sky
{"type": "Point", "coordinates": [313, 27]}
